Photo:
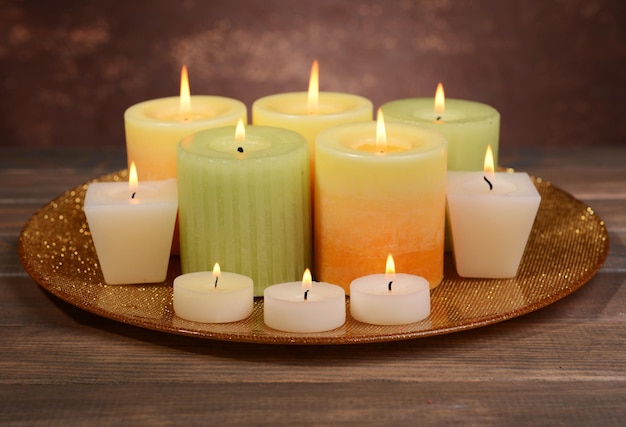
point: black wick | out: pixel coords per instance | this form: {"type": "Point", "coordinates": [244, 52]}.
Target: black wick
{"type": "Point", "coordinates": [488, 182]}
{"type": "Point", "coordinates": [306, 294]}
{"type": "Point", "coordinates": [216, 279]}
{"type": "Point", "coordinates": [240, 149]}
{"type": "Point", "coordinates": [133, 196]}
{"type": "Point", "coordinates": [389, 285]}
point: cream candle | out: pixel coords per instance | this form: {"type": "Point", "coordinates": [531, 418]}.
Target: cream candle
{"type": "Point", "coordinates": [245, 202]}
{"type": "Point", "coordinates": [132, 225]}
{"type": "Point", "coordinates": [390, 298]}
{"type": "Point", "coordinates": [468, 126]}
{"type": "Point", "coordinates": [491, 216]}
{"type": "Point", "coordinates": [213, 297]}
{"type": "Point", "coordinates": [373, 200]}
{"type": "Point", "coordinates": [310, 112]}
{"type": "Point", "coordinates": [153, 128]}
{"type": "Point", "coordinates": [304, 306]}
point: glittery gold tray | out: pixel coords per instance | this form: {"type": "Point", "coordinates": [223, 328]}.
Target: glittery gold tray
{"type": "Point", "coordinates": [567, 246]}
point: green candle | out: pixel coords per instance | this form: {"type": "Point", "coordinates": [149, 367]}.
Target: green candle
{"type": "Point", "coordinates": [468, 126]}
{"type": "Point", "coordinates": [245, 202]}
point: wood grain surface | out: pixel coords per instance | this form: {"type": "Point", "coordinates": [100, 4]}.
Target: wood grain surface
{"type": "Point", "coordinates": [562, 365]}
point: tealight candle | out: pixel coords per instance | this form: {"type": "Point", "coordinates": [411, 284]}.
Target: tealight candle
{"type": "Point", "coordinates": [379, 190]}
{"type": "Point", "coordinates": [491, 216]}
{"type": "Point", "coordinates": [304, 306]}
{"type": "Point", "coordinates": [468, 126]}
{"type": "Point", "coordinates": [153, 128]}
{"type": "Point", "coordinates": [213, 297]}
{"type": "Point", "coordinates": [245, 200]}
{"type": "Point", "coordinates": [310, 112]}
{"type": "Point", "coordinates": [390, 298]}
{"type": "Point", "coordinates": [132, 225]}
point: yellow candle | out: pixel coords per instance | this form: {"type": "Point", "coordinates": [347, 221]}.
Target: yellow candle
{"type": "Point", "coordinates": [372, 200]}
{"type": "Point", "coordinates": [468, 126]}
{"type": "Point", "coordinates": [310, 112]}
{"type": "Point", "coordinates": [153, 128]}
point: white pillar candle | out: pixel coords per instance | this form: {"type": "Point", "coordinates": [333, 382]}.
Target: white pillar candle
{"type": "Point", "coordinates": [490, 221]}
{"type": "Point", "coordinates": [390, 298]}
{"type": "Point", "coordinates": [213, 297]}
{"type": "Point", "coordinates": [304, 306]}
{"type": "Point", "coordinates": [132, 228]}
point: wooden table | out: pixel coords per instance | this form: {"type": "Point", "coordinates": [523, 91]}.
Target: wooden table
{"type": "Point", "coordinates": [562, 365]}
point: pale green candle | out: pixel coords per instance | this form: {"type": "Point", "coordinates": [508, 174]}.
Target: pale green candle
{"type": "Point", "coordinates": [468, 126]}
{"type": "Point", "coordinates": [245, 204]}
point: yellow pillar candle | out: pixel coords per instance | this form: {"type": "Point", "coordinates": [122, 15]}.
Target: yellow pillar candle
{"type": "Point", "coordinates": [153, 128]}
{"type": "Point", "coordinates": [468, 126]}
{"type": "Point", "coordinates": [310, 112]}
{"type": "Point", "coordinates": [371, 201]}
{"type": "Point", "coordinates": [246, 203]}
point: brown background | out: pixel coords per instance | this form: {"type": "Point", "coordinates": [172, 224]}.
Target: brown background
{"type": "Point", "coordinates": [554, 69]}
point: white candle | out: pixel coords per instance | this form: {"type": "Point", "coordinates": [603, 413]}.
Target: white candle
{"type": "Point", "coordinates": [491, 216]}
{"type": "Point", "coordinates": [390, 298]}
{"type": "Point", "coordinates": [213, 297]}
{"type": "Point", "coordinates": [132, 228]}
{"type": "Point", "coordinates": [304, 306]}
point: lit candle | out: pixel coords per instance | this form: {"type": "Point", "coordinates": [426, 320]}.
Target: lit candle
{"type": "Point", "coordinates": [245, 200]}
{"type": "Point", "coordinates": [213, 297]}
{"type": "Point", "coordinates": [310, 112]}
{"type": "Point", "coordinates": [379, 190]}
{"type": "Point", "coordinates": [153, 128]}
{"type": "Point", "coordinates": [468, 126]}
{"type": "Point", "coordinates": [491, 216]}
{"type": "Point", "coordinates": [132, 225]}
{"type": "Point", "coordinates": [304, 306]}
{"type": "Point", "coordinates": [390, 298]}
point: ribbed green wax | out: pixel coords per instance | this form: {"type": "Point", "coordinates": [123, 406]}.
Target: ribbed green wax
{"type": "Point", "coordinates": [250, 211]}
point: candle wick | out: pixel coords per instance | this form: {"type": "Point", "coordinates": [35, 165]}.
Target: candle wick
{"type": "Point", "coordinates": [216, 279]}
{"type": "Point", "coordinates": [438, 118]}
{"type": "Point", "coordinates": [306, 294]}
{"type": "Point", "coordinates": [240, 149]}
{"type": "Point", "coordinates": [389, 285]}
{"type": "Point", "coordinates": [133, 196]}
{"type": "Point", "coordinates": [488, 182]}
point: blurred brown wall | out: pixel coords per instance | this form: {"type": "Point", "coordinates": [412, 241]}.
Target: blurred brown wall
{"type": "Point", "coordinates": [554, 68]}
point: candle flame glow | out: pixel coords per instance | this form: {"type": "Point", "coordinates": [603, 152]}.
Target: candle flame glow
{"type": "Point", "coordinates": [314, 90]}
{"type": "Point", "coordinates": [185, 95]}
{"type": "Point", "coordinates": [133, 180]}
{"type": "Point", "coordinates": [217, 272]}
{"type": "Point", "coordinates": [240, 131]}
{"type": "Point", "coordinates": [381, 132]}
{"type": "Point", "coordinates": [307, 280]}
{"type": "Point", "coordinates": [390, 267]}
{"type": "Point", "coordinates": [489, 164]}
{"type": "Point", "coordinates": [440, 99]}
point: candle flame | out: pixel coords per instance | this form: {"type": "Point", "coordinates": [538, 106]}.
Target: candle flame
{"type": "Point", "coordinates": [314, 90]}
{"type": "Point", "coordinates": [240, 131]}
{"type": "Point", "coordinates": [381, 132]}
{"type": "Point", "coordinates": [390, 267]}
{"type": "Point", "coordinates": [440, 99]}
{"type": "Point", "coordinates": [133, 180]}
{"type": "Point", "coordinates": [307, 280]}
{"type": "Point", "coordinates": [217, 272]}
{"type": "Point", "coordinates": [185, 95]}
{"type": "Point", "coordinates": [489, 164]}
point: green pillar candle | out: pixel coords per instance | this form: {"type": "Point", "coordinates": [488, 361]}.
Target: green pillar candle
{"type": "Point", "coordinates": [468, 126]}
{"type": "Point", "coordinates": [245, 203]}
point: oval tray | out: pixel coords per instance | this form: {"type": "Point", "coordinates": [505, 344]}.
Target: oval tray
{"type": "Point", "coordinates": [567, 246]}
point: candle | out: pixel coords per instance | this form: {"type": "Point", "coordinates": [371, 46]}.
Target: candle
{"type": "Point", "coordinates": [132, 225]}
{"type": "Point", "coordinates": [310, 112]}
{"type": "Point", "coordinates": [213, 297]}
{"type": "Point", "coordinates": [491, 216]}
{"type": "Point", "coordinates": [468, 126]}
{"type": "Point", "coordinates": [371, 200]}
{"type": "Point", "coordinates": [153, 128]}
{"type": "Point", "coordinates": [304, 306]}
{"type": "Point", "coordinates": [390, 298]}
{"type": "Point", "coordinates": [245, 200]}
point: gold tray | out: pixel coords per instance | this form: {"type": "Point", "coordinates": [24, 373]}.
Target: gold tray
{"type": "Point", "coordinates": [567, 247]}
